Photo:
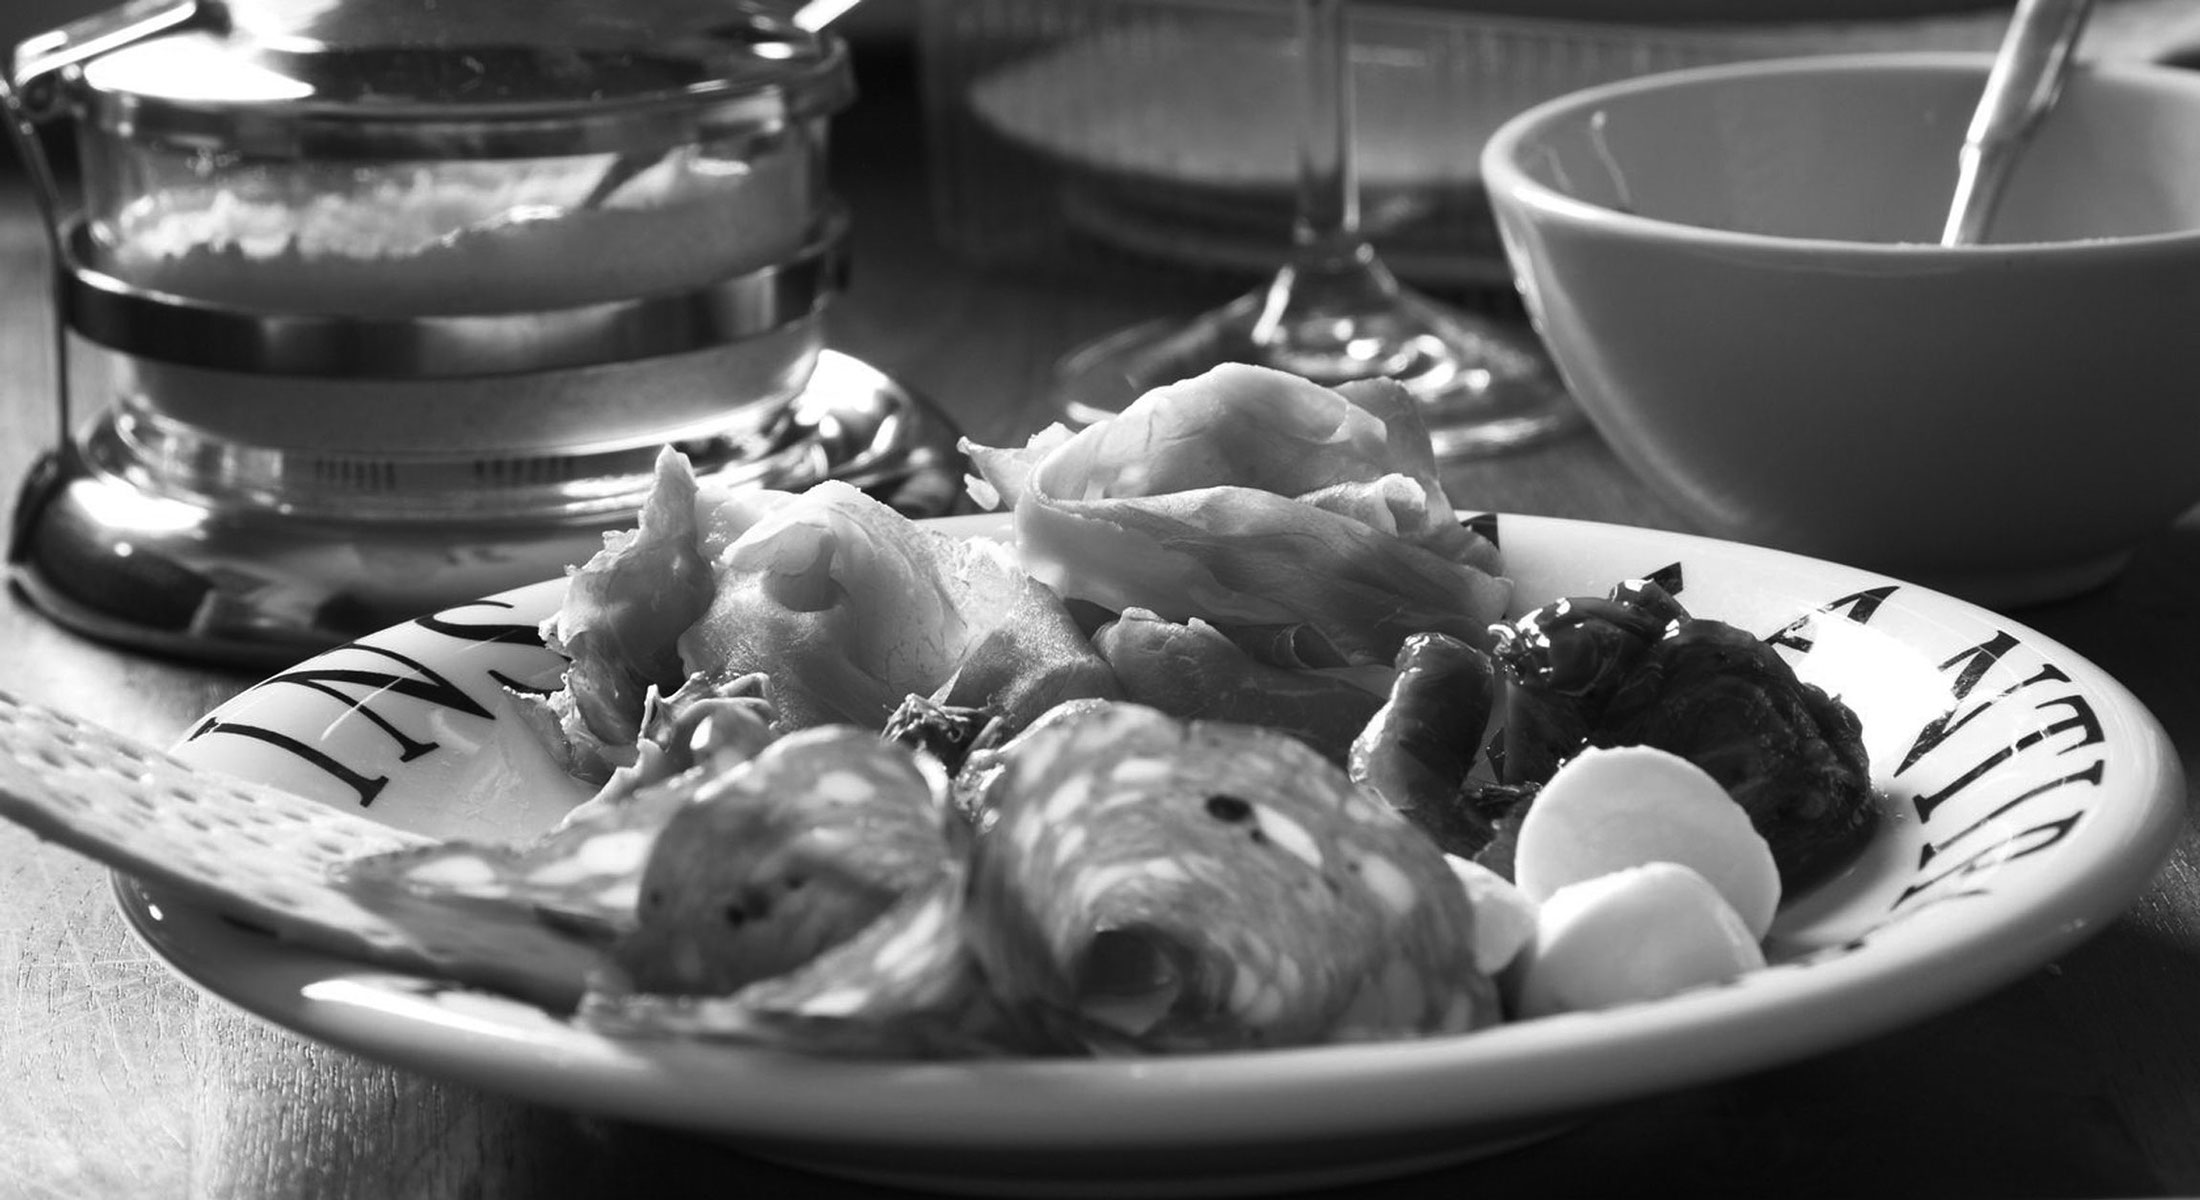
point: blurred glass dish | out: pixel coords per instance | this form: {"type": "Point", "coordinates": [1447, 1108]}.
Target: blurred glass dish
{"type": "Point", "coordinates": [347, 322]}
{"type": "Point", "coordinates": [1156, 125]}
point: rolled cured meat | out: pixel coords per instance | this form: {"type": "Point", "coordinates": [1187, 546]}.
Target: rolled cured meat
{"type": "Point", "coordinates": [904, 987]}
{"type": "Point", "coordinates": [1151, 885]}
{"type": "Point", "coordinates": [1417, 753]}
{"type": "Point", "coordinates": [792, 854]}
{"type": "Point", "coordinates": [1192, 670]}
{"type": "Point", "coordinates": [583, 875]}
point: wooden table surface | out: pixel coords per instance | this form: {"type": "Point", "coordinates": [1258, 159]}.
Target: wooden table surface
{"type": "Point", "coordinates": [117, 1080]}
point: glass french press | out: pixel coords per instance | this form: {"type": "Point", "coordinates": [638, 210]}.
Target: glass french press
{"type": "Point", "coordinates": [368, 307]}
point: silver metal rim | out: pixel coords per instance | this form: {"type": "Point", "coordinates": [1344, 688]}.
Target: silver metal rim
{"type": "Point", "coordinates": [305, 132]}
{"type": "Point", "coordinates": [222, 337]}
{"type": "Point", "coordinates": [60, 70]}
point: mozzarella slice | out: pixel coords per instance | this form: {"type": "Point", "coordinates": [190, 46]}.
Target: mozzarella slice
{"type": "Point", "coordinates": [1610, 809]}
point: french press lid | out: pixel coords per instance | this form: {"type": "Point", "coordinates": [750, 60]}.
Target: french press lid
{"type": "Point", "coordinates": [431, 79]}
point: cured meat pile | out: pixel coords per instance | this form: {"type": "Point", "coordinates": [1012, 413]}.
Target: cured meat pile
{"type": "Point", "coordinates": [1195, 764]}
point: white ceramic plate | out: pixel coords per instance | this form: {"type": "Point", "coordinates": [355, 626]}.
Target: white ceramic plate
{"type": "Point", "coordinates": [2040, 799]}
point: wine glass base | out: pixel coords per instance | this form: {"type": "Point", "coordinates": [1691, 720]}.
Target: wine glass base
{"type": "Point", "coordinates": [1483, 389]}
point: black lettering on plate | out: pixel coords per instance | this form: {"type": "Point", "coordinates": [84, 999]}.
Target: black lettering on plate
{"type": "Point", "coordinates": [357, 688]}
{"type": "Point", "coordinates": [1974, 662]}
{"type": "Point", "coordinates": [2017, 845]}
{"type": "Point", "coordinates": [1936, 900]}
{"type": "Point", "coordinates": [523, 635]}
{"type": "Point", "coordinates": [2092, 774]}
{"type": "Point", "coordinates": [510, 684]}
{"type": "Point", "coordinates": [366, 787]}
{"type": "Point", "coordinates": [2081, 718]}
{"type": "Point", "coordinates": [518, 635]}
{"type": "Point", "coordinates": [1859, 607]}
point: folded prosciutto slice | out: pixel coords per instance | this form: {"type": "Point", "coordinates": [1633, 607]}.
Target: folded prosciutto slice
{"type": "Point", "coordinates": [1250, 497]}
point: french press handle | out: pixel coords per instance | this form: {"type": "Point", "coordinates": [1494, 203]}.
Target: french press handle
{"type": "Point", "coordinates": [39, 63]}
{"type": "Point", "coordinates": [31, 90]}
{"type": "Point", "coordinates": [31, 81]}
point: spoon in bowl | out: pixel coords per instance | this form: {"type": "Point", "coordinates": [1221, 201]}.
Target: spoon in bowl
{"type": "Point", "coordinates": [2025, 82]}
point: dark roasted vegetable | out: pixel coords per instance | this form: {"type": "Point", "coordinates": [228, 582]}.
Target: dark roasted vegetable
{"type": "Point", "coordinates": [1561, 664]}
{"type": "Point", "coordinates": [1634, 668]}
{"type": "Point", "coordinates": [1790, 755]}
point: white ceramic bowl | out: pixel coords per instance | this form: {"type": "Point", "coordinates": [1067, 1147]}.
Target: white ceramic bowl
{"type": "Point", "coordinates": [1736, 270]}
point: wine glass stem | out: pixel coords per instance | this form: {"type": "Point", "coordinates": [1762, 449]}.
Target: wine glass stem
{"type": "Point", "coordinates": [1328, 218]}
{"type": "Point", "coordinates": [1311, 317]}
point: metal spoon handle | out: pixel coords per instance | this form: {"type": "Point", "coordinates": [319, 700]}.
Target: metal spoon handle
{"type": "Point", "coordinates": [2026, 79]}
